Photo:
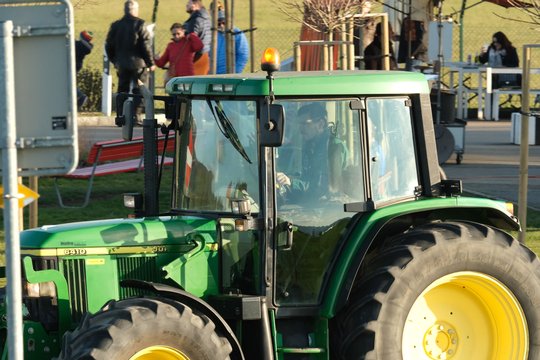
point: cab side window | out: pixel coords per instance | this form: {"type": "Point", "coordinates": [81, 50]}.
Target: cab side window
{"type": "Point", "coordinates": [392, 160]}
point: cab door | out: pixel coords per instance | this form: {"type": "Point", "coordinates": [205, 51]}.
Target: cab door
{"type": "Point", "coordinates": [318, 170]}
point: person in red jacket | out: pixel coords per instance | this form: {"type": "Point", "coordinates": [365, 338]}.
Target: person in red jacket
{"type": "Point", "coordinates": [179, 53]}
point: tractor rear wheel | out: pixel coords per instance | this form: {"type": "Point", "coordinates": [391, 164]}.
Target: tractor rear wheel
{"type": "Point", "coordinates": [143, 329]}
{"type": "Point", "coordinates": [454, 290]}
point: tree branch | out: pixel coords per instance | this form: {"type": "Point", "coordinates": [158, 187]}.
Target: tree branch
{"type": "Point", "coordinates": [531, 9]}
{"type": "Point", "coordinates": [322, 15]}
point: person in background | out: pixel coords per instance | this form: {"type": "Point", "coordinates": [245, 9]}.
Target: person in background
{"type": "Point", "coordinates": [241, 47]}
{"type": "Point", "coordinates": [411, 47]}
{"type": "Point", "coordinates": [199, 23]}
{"type": "Point", "coordinates": [129, 48]}
{"type": "Point", "coordinates": [180, 53]}
{"type": "Point", "coordinates": [83, 47]}
{"type": "Point", "coordinates": [373, 55]}
{"type": "Point", "coordinates": [501, 53]}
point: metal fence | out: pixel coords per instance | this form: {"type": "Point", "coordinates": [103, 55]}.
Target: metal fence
{"type": "Point", "coordinates": [280, 39]}
{"type": "Point", "coordinates": [474, 37]}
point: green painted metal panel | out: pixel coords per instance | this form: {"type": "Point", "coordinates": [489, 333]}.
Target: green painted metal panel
{"type": "Point", "coordinates": [312, 83]}
{"type": "Point", "coordinates": [197, 271]}
{"type": "Point", "coordinates": [361, 232]}
{"type": "Point", "coordinates": [114, 233]}
{"type": "Point", "coordinates": [40, 344]}
{"type": "Point", "coordinates": [64, 320]}
{"type": "Point", "coordinates": [101, 281]}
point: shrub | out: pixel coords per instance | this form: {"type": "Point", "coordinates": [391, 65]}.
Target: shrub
{"type": "Point", "coordinates": [89, 82]}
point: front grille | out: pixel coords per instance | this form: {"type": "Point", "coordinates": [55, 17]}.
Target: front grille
{"type": "Point", "coordinates": [75, 274]}
{"type": "Point", "coordinates": [44, 263]}
{"type": "Point", "coordinates": [129, 267]}
{"type": "Point", "coordinates": [140, 268]}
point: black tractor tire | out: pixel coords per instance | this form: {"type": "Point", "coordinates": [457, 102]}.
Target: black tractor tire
{"type": "Point", "coordinates": [145, 328]}
{"type": "Point", "coordinates": [447, 290]}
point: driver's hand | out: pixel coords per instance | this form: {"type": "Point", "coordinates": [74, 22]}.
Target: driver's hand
{"type": "Point", "coordinates": [283, 179]}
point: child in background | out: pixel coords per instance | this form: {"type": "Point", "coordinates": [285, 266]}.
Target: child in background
{"type": "Point", "coordinates": [179, 53]}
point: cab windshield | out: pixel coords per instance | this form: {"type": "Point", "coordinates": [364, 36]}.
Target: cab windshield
{"type": "Point", "coordinates": [219, 156]}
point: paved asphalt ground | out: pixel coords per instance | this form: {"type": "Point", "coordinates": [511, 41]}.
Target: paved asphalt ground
{"type": "Point", "coordinates": [490, 165]}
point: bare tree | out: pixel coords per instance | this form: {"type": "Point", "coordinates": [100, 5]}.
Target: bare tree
{"type": "Point", "coordinates": [531, 9]}
{"type": "Point", "coordinates": [322, 15]}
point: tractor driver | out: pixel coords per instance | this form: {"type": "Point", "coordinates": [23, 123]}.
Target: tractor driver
{"type": "Point", "coordinates": [322, 152]}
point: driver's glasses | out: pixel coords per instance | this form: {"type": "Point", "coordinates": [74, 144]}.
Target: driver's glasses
{"type": "Point", "coordinates": [308, 122]}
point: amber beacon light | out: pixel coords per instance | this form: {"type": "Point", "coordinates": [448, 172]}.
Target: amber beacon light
{"type": "Point", "coordinates": [270, 60]}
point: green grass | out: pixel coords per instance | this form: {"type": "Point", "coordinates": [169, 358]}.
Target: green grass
{"type": "Point", "coordinates": [273, 29]}
{"type": "Point", "coordinates": [276, 29]}
{"type": "Point", "coordinates": [533, 230]}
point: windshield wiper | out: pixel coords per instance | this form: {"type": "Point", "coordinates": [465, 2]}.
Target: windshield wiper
{"type": "Point", "coordinates": [227, 129]}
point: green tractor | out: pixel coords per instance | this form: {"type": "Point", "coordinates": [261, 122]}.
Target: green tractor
{"type": "Point", "coordinates": [308, 220]}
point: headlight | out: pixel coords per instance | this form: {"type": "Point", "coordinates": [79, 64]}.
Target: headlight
{"type": "Point", "coordinates": [44, 289]}
{"type": "Point", "coordinates": [510, 208]}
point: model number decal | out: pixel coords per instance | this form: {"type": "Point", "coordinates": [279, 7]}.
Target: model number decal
{"type": "Point", "coordinates": [153, 249]}
{"type": "Point", "coordinates": [159, 248]}
{"type": "Point", "coordinates": [75, 251]}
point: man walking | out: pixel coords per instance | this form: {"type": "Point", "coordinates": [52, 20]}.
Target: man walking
{"type": "Point", "coordinates": [128, 46]}
{"type": "Point", "coordinates": [199, 23]}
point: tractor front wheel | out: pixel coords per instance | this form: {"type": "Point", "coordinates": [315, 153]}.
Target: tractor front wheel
{"type": "Point", "coordinates": [444, 291]}
{"type": "Point", "coordinates": [144, 329]}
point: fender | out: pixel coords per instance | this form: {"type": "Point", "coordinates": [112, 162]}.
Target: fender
{"type": "Point", "coordinates": [398, 222]}
{"type": "Point", "coordinates": [193, 302]}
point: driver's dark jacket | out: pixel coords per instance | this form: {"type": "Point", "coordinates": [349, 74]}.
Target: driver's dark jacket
{"type": "Point", "coordinates": [319, 156]}
{"type": "Point", "coordinates": [128, 44]}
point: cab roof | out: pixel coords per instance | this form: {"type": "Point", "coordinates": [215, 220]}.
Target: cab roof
{"type": "Point", "coordinates": [303, 83]}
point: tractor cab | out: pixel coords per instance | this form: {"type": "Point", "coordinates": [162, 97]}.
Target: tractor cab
{"type": "Point", "coordinates": [324, 171]}
{"type": "Point", "coordinates": [288, 170]}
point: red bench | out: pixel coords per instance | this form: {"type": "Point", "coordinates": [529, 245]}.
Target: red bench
{"type": "Point", "coordinates": [112, 157]}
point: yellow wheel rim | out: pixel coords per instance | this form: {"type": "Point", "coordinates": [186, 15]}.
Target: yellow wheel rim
{"type": "Point", "coordinates": [159, 353]}
{"type": "Point", "coordinates": [463, 316]}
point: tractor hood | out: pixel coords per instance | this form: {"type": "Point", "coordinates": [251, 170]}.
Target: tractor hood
{"type": "Point", "coordinates": [166, 230]}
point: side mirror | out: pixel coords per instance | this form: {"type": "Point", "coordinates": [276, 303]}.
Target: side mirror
{"type": "Point", "coordinates": [129, 119]}
{"type": "Point", "coordinates": [272, 125]}
{"type": "Point", "coordinates": [125, 115]}
{"type": "Point", "coordinates": [172, 108]}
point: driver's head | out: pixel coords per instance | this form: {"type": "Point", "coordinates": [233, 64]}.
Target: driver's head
{"type": "Point", "coordinates": [312, 118]}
